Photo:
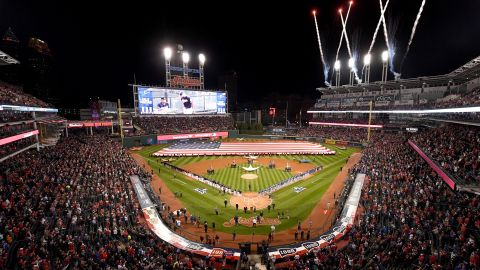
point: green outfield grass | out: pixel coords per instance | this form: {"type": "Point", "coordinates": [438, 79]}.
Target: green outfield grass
{"type": "Point", "coordinates": [298, 205]}
{"type": "Point", "coordinates": [232, 178]}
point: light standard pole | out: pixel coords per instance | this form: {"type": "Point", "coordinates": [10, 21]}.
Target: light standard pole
{"type": "Point", "coordinates": [351, 65]}
{"type": "Point", "coordinates": [167, 53]}
{"type": "Point", "coordinates": [201, 61]}
{"type": "Point", "coordinates": [185, 59]}
{"type": "Point", "coordinates": [337, 66]}
{"type": "Point", "coordinates": [366, 62]}
{"type": "Point", "coordinates": [385, 66]}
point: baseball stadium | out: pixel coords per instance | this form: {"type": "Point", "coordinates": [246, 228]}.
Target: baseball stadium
{"type": "Point", "coordinates": [371, 165]}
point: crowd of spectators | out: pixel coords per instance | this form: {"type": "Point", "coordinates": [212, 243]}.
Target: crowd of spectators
{"type": "Point", "coordinates": [464, 117]}
{"type": "Point", "coordinates": [468, 99]}
{"type": "Point", "coordinates": [14, 116]}
{"type": "Point", "coordinates": [410, 219]}
{"type": "Point", "coordinates": [354, 134]}
{"type": "Point", "coordinates": [14, 95]}
{"type": "Point", "coordinates": [11, 130]}
{"type": "Point", "coordinates": [190, 124]}
{"type": "Point", "coordinates": [455, 147]}
{"type": "Point", "coordinates": [72, 206]}
{"type": "Point", "coordinates": [10, 148]}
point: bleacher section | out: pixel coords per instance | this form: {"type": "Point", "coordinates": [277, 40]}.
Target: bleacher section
{"type": "Point", "coordinates": [460, 86]}
{"type": "Point", "coordinates": [183, 124]}
{"type": "Point", "coordinates": [14, 95]}
{"type": "Point", "coordinates": [22, 116]}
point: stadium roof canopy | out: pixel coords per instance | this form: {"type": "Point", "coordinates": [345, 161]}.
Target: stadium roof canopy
{"type": "Point", "coordinates": [459, 76]}
{"type": "Point", "coordinates": [6, 59]}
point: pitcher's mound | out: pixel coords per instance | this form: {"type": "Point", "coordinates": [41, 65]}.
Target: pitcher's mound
{"type": "Point", "coordinates": [250, 199]}
{"type": "Point", "coordinates": [249, 176]}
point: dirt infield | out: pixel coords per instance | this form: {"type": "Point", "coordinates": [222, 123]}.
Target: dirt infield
{"type": "Point", "coordinates": [318, 218]}
{"type": "Point", "coordinates": [250, 200]}
{"type": "Point", "coordinates": [201, 167]}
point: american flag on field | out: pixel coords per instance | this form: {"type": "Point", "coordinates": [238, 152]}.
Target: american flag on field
{"type": "Point", "coordinates": [194, 149]}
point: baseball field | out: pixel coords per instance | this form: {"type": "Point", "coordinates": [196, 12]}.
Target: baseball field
{"type": "Point", "coordinates": [293, 203]}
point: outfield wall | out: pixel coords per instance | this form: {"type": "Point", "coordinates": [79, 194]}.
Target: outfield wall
{"type": "Point", "coordinates": [143, 140]}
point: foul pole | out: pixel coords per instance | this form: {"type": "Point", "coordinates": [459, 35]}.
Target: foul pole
{"type": "Point", "coordinates": [120, 120]}
{"type": "Point", "coordinates": [369, 121]}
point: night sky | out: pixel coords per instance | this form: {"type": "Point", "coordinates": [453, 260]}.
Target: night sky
{"type": "Point", "coordinates": [273, 47]}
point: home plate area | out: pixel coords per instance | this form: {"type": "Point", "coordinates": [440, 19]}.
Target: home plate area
{"type": "Point", "coordinates": [250, 200]}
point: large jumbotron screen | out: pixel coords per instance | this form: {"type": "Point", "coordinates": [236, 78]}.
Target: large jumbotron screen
{"type": "Point", "coordinates": [180, 101]}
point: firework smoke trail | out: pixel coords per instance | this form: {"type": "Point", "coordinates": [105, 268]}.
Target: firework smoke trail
{"type": "Point", "coordinates": [391, 52]}
{"type": "Point", "coordinates": [325, 66]}
{"type": "Point", "coordinates": [341, 35]}
{"type": "Point", "coordinates": [419, 14]}
{"type": "Point", "coordinates": [348, 46]}
{"type": "Point", "coordinates": [344, 31]}
{"type": "Point", "coordinates": [378, 26]}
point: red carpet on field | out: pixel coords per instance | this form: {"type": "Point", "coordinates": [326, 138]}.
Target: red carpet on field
{"type": "Point", "coordinates": [253, 148]}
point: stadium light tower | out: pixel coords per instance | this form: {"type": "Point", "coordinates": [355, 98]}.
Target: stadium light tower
{"type": "Point", "coordinates": [201, 62]}
{"type": "Point", "coordinates": [366, 62]}
{"type": "Point", "coordinates": [185, 60]}
{"type": "Point", "coordinates": [167, 53]}
{"type": "Point", "coordinates": [351, 65]}
{"type": "Point", "coordinates": [385, 66]}
{"type": "Point", "coordinates": [337, 66]}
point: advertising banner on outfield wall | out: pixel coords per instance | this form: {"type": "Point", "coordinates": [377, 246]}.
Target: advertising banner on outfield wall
{"type": "Point", "coordinates": [341, 143]}
{"type": "Point", "coordinates": [341, 227]}
{"type": "Point", "coordinates": [329, 141]}
{"type": "Point", "coordinates": [223, 134]}
{"type": "Point", "coordinates": [157, 226]}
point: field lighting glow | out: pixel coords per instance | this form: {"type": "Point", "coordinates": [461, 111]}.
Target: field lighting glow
{"type": "Point", "coordinates": [367, 59]}
{"type": "Point", "coordinates": [185, 57]}
{"type": "Point", "coordinates": [201, 58]}
{"type": "Point", "coordinates": [351, 63]}
{"type": "Point", "coordinates": [449, 110]}
{"type": "Point", "coordinates": [344, 124]}
{"type": "Point", "coordinates": [337, 65]}
{"type": "Point", "coordinates": [385, 56]}
{"type": "Point", "coordinates": [167, 52]}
